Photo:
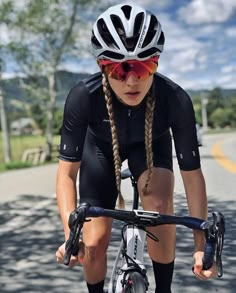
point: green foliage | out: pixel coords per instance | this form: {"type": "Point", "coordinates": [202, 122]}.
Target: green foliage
{"type": "Point", "coordinates": [15, 165]}
{"type": "Point", "coordinates": [232, 116]}
{"type": "Point", "coordinates": [58, 121]}
{"type": "Point", "coordinates": [221, 108]}
{"type": "Point", "coordinates": [37, 113]}
{"type": "Point", "coordinates": [220, 117]}
{"type": "Point", "coordinates": [198, 112]}
{"type": "Point", "coordinates": [215, 100]}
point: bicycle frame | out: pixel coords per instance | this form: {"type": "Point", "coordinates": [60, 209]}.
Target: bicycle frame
{"type": "Point", "coordinates": [131, 249]}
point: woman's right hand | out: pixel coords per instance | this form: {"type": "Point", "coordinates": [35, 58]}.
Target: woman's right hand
{"type": "Point", "coordinates": [75, 259]}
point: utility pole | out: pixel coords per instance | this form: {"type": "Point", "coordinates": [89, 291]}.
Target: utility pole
{"type": "Point", "coordinates": [5, 133]}
{"type": "Point", "coordinates": [204, 102]}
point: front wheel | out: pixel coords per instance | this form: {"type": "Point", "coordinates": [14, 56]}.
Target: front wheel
{"type": "Point", "coordinates": [135, 283]}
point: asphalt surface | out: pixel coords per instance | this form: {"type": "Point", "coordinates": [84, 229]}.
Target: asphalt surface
{"type": "Point", "coordinates": [31, 231]}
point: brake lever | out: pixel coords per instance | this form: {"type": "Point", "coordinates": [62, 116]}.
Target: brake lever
{"type": "Point", "coordinates": [75, 223]}
{"type": "Point", "coordinates": [220, 226]}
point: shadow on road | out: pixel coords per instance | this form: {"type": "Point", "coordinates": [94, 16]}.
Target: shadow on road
{"type": "Point", "coordinates": [31, 231]}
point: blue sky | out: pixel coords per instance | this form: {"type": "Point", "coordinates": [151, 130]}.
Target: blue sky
{"type": "Point", "coordinates": [200, 47]}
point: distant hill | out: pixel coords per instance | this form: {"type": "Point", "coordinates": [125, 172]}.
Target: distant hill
{"type": "Point", "coordinates": [226, 93]}
{"type": "Point", "coordinates": [16, 98]}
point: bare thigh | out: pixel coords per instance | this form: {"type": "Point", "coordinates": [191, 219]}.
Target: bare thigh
{"type": "Point", "coordinates": [159, 197]}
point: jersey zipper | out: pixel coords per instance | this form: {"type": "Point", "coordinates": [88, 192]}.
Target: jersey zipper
{"type": "Point", "coordinates": [128, 126]}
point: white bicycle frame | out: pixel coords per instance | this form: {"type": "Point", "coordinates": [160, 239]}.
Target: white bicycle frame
{"type": "Point", "coordinates": [135, 239]}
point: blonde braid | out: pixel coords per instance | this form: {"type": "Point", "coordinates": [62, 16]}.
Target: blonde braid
{"type": "Point", "coordinates": [150, 105]}
{"type": "Point", "coordinates": [115, 144]}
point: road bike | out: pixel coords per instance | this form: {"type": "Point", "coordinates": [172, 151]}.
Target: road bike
{"type": "Point", "coordinates": [129, 274]}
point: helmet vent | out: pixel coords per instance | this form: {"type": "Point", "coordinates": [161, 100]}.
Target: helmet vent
{"type": "Point", "coordinates": [127, 11]}
{"type": "Point", "coordinates": [138, 24]}
{"type": "Point", "coordinates": [151, 31]}
{"type": "Point", "coordinates": [95, 42]}
{"type": "Point", "coordinates": [161, 40]}
{"type": "Point", "coordinates": [118, 25]}
{"type": "Point", "coordinates": [112, 55]}
{"type": "Point", "coordinates": [103, 31]}
{"type": "Point", "coordinates": [149, 52]}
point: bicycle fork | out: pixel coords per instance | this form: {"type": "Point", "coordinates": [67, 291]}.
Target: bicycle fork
{"type": "Point", "coordinates": [132, 252]}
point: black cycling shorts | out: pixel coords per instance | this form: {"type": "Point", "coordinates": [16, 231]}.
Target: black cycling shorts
{"type": "Point", "coordinates": [97, 184]}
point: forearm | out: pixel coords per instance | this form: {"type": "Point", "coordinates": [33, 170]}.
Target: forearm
{"type": "Point", "coordinates": [66, 196]}
{"type": "Point", "coordinates": [66, 201]}
{"type": "Point", "coordinates": [195, 188]}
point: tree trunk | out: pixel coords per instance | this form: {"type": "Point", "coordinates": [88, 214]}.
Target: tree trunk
{"type": "Point", "coordinates": [50, 115]}
{"type": "Point", "coordinates": [5, 133]}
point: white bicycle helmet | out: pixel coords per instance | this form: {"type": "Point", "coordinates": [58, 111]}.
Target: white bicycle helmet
{"type": "Point", "coordinates": [125, 32]}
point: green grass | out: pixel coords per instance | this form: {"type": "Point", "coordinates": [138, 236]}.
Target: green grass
{"type": "Point", "coordinates": [14, 165]}
{"type": "Point", "coordinates": [18, 145]}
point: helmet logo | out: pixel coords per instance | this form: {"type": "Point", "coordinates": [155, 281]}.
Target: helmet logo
{"type": "Point", "coordinates": [142, 37]}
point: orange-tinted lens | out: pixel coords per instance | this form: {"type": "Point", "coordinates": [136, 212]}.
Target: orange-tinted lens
{"type": "Point", "coordinates": [121, 70]}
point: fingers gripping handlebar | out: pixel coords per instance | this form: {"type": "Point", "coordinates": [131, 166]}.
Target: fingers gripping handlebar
{"type": "Point", "coordinates": [76, 221]}
{"type": "Point", "coordinates": [214, 243]}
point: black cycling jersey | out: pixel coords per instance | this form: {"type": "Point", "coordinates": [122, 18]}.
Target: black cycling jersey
{"type": "Point", "coordinates": [86, 135]}
{"type": "Point", "coordinates": [85, 108]}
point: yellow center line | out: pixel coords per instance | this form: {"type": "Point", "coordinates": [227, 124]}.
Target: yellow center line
{"type": "Point", "coordinates": [221, 159]}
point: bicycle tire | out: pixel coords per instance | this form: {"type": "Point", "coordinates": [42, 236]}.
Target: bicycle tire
{"type": "Point", "coordinates": [135, 284]}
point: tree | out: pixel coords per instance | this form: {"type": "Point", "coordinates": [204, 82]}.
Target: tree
{"type": "Point", "coordinates": [233, 112]}
{"type": "Point", "coordinates": [215, 101]}
{"type": "Point", "coordinates": [4, 126]}
{"type": "Point", "coordinates": [43, 34]}
{"type": "Point", "coordinates": [220, 117]}
{"type": "Point", "coordinates": [198, 113]}
{"type": "Point", "coordinates": [37, 114]}
{"type": "Point", "coordinates": [58, 119]}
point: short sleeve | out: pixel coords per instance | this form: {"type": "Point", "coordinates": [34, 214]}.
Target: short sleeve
{"type": "Point", "coordinates": [183, 127]}
{"type": "Point", "coordinates": [75, 123]}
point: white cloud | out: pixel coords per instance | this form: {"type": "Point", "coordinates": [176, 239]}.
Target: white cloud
{"type": "Point", "coordinates": [184, 61]}
{"type": "Point", "coordinates": [228, 81]}
{"type": "Point", "coordinates": [228, 69]}
{"type": "Point", "coordinates": [210, 11]}
{"type": "Point", "coordinates": [192, 83]}
{"type": "Point", "coordinates": [160, 4]}
{"type": "Point", "coordinates": [150, 3]}
{"type": "Point", "coordinates": [182, 52]}
{"type": "Point", "coordinates": [231, 32]}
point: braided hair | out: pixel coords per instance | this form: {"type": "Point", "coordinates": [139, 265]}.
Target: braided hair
{"type": "Point", "coordinates": [149, 113]}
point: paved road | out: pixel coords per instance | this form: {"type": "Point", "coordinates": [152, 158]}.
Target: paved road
{"type": "Point", "coordinates": [30, 232]}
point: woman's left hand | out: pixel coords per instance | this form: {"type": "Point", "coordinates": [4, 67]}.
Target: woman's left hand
{"type": "Point", "coordinates": [197, 267]}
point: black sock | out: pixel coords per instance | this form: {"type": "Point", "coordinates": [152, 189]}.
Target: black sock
{"type": "Point", "coordinates": [96, 288]}
{"type": "Point", "coordinates": [163, 276]}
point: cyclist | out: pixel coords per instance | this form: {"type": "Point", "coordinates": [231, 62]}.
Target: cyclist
{"type": "Point", "coordinates": [124, 112]}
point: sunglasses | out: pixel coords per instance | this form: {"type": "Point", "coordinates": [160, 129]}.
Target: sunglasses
{"type": "Point", "coordinates": [121, 70]}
